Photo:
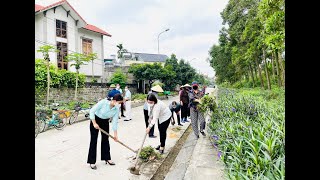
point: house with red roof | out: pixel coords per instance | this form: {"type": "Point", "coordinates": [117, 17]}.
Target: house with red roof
{"type": "Point", "coordinates": [60, 25]}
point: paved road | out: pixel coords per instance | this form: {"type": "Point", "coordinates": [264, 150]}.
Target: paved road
{"type": "Point", "coordinates": [62, 155]}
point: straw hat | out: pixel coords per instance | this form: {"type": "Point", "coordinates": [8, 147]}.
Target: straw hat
{"type": "Point", "coordinates": [157, 88]}
{"type": "Point", "coordinates": [182, 86]}
{"type": "Point", "coordinates": [187, 85]}
{"type": "Point", "coordinates": [112, 86]}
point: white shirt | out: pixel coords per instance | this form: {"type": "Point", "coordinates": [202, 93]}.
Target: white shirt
{"type": "Point", "coordinates": [160, 112]}
{"type": "Point", "coordinates": [120, 90]}
{"type": "Point", "coordinates": [128, 95]}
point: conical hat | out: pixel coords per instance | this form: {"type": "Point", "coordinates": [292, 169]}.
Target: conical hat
{"type": "Point", "coordinates": [187, 85]}
{"type": "Point", "coordinates": [157, 88]}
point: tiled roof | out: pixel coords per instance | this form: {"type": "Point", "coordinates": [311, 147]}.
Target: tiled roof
{"type": "Point", "coordinates": [151, 57]}
{"type": "Point", "coordinates": [38, 7]}
{"type": "Point", "coordinates": [96, 29]}
{"type": "Point", "coordinates": [57, 4]}
{"type": "Point", "coordinates": [88, 26]}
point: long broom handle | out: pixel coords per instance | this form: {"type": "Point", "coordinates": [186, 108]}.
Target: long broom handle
{"type": "Point", "coordinates": [117, 141]}
{"type": "Point", "coordinates": [135, 164]}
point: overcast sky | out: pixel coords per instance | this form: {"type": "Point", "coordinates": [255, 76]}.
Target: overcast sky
{"type": "Point", "coordinates": [194, 26]}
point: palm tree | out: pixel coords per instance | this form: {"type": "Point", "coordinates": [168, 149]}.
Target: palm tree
{"type": "Point", "coordinates": [121, 51]}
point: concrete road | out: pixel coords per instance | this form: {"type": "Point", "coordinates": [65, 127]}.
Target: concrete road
{"type": "Point", "coordinates": [62, 155]}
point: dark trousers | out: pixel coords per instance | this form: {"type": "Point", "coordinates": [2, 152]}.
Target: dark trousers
{"type": "Point", "coordinates": [178, 117]}
{"type": "Point", "coordinates": [146, 119]}
{"type": "Point", "coordinates": [122, 108]}
{"type": "Point", "coordinates": [163, 131]}
{"type": "Point", "coordinates": [184, 111]}
{"type": "Point", "coordinates": [188, 111]}
{"type": "Point", "coordinates": [105, 146]}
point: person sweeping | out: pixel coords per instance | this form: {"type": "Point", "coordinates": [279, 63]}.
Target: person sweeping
{"type": "Point", "coordinates": [100, 114]}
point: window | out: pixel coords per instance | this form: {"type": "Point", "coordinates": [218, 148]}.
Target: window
{"type": "Point", "coordinates": [86, 46]}
{"type": "Point", "coordinates": [63, 52]}
{"type": "Point", "coordinates": [61, 29]}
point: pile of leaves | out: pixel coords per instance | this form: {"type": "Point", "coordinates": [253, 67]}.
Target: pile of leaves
{"type": "Point", "coordinates": [207, 104]}
{"type": "Point", "coordinates": [148, 153]}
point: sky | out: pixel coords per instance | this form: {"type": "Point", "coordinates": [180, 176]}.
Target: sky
{"type": "Point", "coordinates": [194, 26]}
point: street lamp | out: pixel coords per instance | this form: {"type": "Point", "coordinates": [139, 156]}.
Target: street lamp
{"type": "Point", "coordinates": [192, 59]}
{"type": "Point", "coordinates": [159, 35]}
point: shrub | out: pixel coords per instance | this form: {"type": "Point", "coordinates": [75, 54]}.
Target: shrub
{"type": "Point", "coordinates": [148, 153]}
{"type": "Point", "coordinates": [139, 96]}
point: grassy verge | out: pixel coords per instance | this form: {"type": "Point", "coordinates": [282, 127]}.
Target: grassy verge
{"type": "Point", "coordinates": [248, 127]}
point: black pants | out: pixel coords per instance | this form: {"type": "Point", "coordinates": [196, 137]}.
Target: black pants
{"type": "Point", "coordinates": [105, 146]}
{"type": "Point", "coordinates": [178, 116]}
{"type": "Point", "coordinates": [188, 111]}
{"type": "Point", "coordinates": [184, 111]}
{"type": "Point", "coordinates": [146, 119]}
{"type": "Point", "coordinates": [163, 131]}
{"type": "Point", "coordinates": [122, 108]}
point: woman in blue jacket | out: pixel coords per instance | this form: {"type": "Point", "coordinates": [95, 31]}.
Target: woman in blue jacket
{"type": "Point", "coordinates": [100, 114]}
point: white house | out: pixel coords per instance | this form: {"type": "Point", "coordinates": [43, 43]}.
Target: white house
{"type": "Point", "coordinates": [60, 25]}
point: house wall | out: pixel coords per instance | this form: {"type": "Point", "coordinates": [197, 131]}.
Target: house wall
{"type": "Point", "coordinates": [61, 14]}
{"type": "Point", "coordinates": [96, 48]}
{"type": "Point", "coordinates": [45, 31]}
{"type": "Point", "coordinates": [38, 34]}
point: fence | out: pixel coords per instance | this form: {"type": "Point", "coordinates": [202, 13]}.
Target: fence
{"type": "Point", "coordinates": [90, 93]}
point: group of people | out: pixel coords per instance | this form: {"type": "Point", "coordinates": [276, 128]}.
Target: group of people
{"type": "Point", "coordinates": [155, 111]}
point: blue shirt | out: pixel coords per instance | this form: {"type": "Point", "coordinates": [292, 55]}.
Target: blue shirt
{"type": "Point", "coordinates": [113, 92]}
{"type": "Point", "coordinates": [103, 111]}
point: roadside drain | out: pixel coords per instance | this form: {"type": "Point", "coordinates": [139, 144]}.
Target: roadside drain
{"type": "Point", "coordinates": [168, 161]}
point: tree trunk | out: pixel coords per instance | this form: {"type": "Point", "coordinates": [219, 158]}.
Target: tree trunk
{"type": "Point", "coordinates": [255, 70]}
{"type": "Point", "coordinates": [282, 68]}
{"type": "Point", "coordinates": [251, 71]}
{"type": "Point", "coordinates": [248, 75]}
{"type": "Point", "coordinates": [48, 82]}
{"type": "Point", "coordinates": [273, 73]}
{"type": "Point", "coordinates": [259, 70]}
{"type": "Point", "coordinates": [150, 83]}
{"type": "Point", "coordinates": [75, 92]}
{"type": "Point", "coordinates": [278, 70]}
{"type": "Point", "coordinates": [92, 72]}
{"type": "Point", "coordinates": [266, 69]}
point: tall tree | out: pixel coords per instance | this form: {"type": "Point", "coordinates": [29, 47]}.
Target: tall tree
{"type": "Point", "coordinates": [220, 58]}
{"type": "Point", "coordinates": [272, 13]}
{"type": "Point", "coordinates": [148, 72]}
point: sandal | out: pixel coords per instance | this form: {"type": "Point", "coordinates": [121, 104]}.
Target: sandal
{"type": "Point", "coordinates": [110, 163]}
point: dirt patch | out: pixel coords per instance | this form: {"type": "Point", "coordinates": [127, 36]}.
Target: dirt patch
{"type": "Point", "coordinates": [168, 161]}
